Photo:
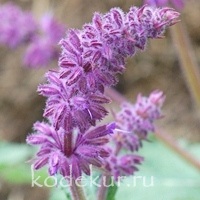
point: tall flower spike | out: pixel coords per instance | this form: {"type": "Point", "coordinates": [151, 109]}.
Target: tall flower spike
{"type": "Point", "coordinates": [94, 55]}
{"type": "Point", "coordinates": [69, 157]}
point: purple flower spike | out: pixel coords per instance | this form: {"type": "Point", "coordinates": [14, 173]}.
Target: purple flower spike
{"type": "Point", "coordinates": [94, 55]}
{"type": "Point", "coordinates": [69, 108]}
{"type": "Point", "coordinates": [90, 60]}
{"type": "Point", "coordinates": [134, 122]}
{"type": "Point", "coordinates": [16, 26]}
{"type": "Point", "coordinates": [69, 157]}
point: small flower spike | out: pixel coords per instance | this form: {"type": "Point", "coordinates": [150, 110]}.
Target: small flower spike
{"type": "Point", "coordinates": [123, 165]}
{"type": "Point", "coordinates": [135, 121]}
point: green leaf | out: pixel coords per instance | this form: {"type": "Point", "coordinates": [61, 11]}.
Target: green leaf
{"type": "Point", "coordinates": [173, 178]}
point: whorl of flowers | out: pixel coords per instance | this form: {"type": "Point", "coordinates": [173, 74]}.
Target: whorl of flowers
{"type": "Point", "coordinates": [178, 4]}
{"type": "Point", "coordinates": [90, 60]}
{"type": "Point", "coordinates": [133, 124]}
{"type": "Point", "coordinates": [66, 157]}
{"type": "Point", "coordinates": [16, 26]}
{"type": "Point", "coordinates": [138, 120]}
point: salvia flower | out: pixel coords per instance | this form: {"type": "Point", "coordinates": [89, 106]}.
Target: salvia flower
{"type": "Point", "coordinates": [178, 4]}
{"type": "Point", "coordinates": [91, 59]}
{"type": "Point", "coordinates": [68, 154]}
{"type": "Point", "coordinates": [69, 108]}
{"type": "Point", "coordinates": [16, 26]}
{"type": "Point", "coordinates": [123, 165]}
{"type": "Point", "coordinates": [43, 48]}
{"type": "Point", "coordinates": [95, 54]}
{"type": "Point", "coordinates": [135, 121]}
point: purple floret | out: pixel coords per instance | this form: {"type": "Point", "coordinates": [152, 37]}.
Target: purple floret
{"type": "Point", "coordinates": [68, 154]}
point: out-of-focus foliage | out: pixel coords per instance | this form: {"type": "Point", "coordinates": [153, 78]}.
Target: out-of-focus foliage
{"type": "Point", "coordinates": [174, 179]}
{"type": "Point", "coordinates": [15, 156]}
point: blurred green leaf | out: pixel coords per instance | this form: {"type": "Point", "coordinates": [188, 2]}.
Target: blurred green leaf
{"type": "Point", "coordinates": [172, 178]}
{"type": "Point", "coordinates": [13, 164]}
{"type": "Point", "coordinates": [163, 175]}
{"type": "Point", "coordinates": [59, 193]}
{"type": "Point", "coordinates": [12, 153]}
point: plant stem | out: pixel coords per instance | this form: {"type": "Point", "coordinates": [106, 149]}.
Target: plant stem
{"type": "Point", "coordinates": [105, 179]}
{"type": "Point", "coordinates": [77, 190]}
{"type": "Point", "coordinates": [165, 138]}
{"type": "Point", "coordinates": [68, 144]}
{"type": "Point", "coordinates": [102, 192]}
{"type": "Point", "coordinates": [188, 61]}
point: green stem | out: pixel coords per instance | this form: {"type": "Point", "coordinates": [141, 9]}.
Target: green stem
{"type": "Point", "coordinates": [77, 192]}
{"type": "Point", "coordinates": [68, 144]}
{"type": "Point", "coordinates": [187, 60]}
{"type": "Point", "coordinates": [105, 179]}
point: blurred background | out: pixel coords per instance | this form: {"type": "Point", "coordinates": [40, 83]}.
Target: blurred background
{"type": "Point", "coordinates": [156, 68]}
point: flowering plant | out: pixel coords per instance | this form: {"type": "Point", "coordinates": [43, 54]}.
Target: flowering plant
{"type": "Point", "coordinates": [70, 140]}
